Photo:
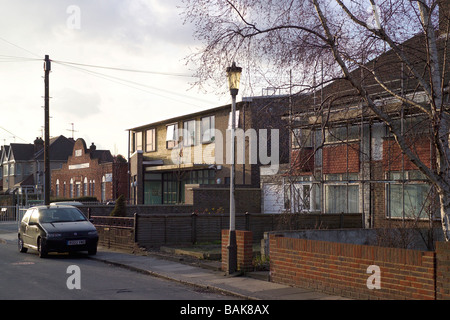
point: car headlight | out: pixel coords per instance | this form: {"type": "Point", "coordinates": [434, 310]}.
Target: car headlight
{"type": "Point", "coordinates": [54, 235]}
{"type": "Point", "coordinates": [92, 233]}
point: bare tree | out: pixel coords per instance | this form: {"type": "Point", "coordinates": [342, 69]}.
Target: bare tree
{"type": "Point", "coordinates": [347, 39]}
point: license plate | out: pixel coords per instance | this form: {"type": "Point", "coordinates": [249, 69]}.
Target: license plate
{"type": "Point", "coordinates": [75, 242]}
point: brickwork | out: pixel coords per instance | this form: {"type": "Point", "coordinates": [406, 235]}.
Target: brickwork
{"type": "Point", "coordinates": [341, 158]}
{"type": "Point", "coordinates": [244, 241]}
{"type": "Point", "coordinates": [342, 269]}
{"type": "Point", "coordinates": [394, 160]}
{"type": "Point", "coordinates": [443, 271]}
{"type": "Point", "coordinates": [86, 168]}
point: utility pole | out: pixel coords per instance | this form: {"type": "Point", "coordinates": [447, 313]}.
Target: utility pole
{"type": "Point", "coordinates": [47, 68]}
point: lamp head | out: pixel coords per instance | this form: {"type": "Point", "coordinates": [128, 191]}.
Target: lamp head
{"type": "Point", "coordinates": [234, 77]}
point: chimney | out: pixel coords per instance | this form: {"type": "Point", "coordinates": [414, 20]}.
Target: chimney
{"type": "Point", "coordinates": [38, 144]}
{"type": "Point", "coordinates": [92, 148]}
{"type": "Point", "coordinates": [444, 17]}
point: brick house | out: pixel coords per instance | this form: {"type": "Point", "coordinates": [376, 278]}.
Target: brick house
{"type": "Point", "coordinates": [344, 159]}
{"type": "Point", "coordinates": [22, 164]}
{"type": "Point", "coordinates": [167, 156]}
{"type": "Point", "coordinates": [90, 172]}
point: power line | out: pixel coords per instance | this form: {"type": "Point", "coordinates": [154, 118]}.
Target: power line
{"type": "Point", "coordinates": [14, 135]}
{"type": "Point", "coordinates": [15, 45]}
{"type": "Point", "coordinates": [125, 69]}
{"type": "Point", "coordinates": [125, 83]}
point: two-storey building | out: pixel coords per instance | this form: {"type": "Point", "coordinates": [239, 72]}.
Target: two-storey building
{"type": "Point", "coordinates": [165, 156]}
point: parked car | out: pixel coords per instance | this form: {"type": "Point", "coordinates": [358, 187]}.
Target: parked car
{"type": "Point", "coordinates": [56, 228]}
{"type": "Point", "coordinates": [69, 203]}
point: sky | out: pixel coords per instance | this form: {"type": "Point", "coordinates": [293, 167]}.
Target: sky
{"type": "Point", "coordinates": [96, 104]}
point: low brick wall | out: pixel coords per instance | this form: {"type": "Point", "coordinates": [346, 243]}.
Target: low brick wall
{"type": "Point", "coordinates": [244, 242]}
{"type": "Point", "coordinates": [345, 269]}
{"type": "Point", "coordinates": [443, 271]}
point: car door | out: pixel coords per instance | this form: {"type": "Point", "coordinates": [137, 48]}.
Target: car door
{"type": "Point", "coordinates": [23, 229]}
{"type": "Point", "coordinates": [32, 229]}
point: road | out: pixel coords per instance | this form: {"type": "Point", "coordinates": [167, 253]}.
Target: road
{"type": "Point", "coordinates": [25, 276]}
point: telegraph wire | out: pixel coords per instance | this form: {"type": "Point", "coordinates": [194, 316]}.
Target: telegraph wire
{"type": "Point", "coordinates": [125, 83]}
{"type": "Point", "coordinates": [125, 69]}
{"type": "Point", "coordinates": [129, 83]}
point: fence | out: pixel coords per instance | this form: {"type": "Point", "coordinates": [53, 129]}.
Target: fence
{"type": "Point", "coordinates": [149, 230]}
{"type": "Point", "coordinates": [12, 213]}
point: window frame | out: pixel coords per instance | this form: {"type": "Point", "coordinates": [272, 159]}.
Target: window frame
{"type": "Point", "coordinates": [172, 143]}
{"type": "Point", "coordinates": [211, 129]}
{"type": "Point", "coordinates": [150, 147]}
{"type": "Point", "coordinates": [191, 139]}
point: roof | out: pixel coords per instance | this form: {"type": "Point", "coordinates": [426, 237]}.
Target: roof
{"type": "Point", "coordinates": [60, 149]}
{"type": "Point", "coordinates": [389, 69]}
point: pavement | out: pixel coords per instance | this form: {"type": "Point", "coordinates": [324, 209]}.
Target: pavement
{"type": "Point", "coordinates": [196, 272]}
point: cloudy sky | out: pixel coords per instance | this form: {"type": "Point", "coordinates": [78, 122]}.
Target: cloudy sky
{"type": "Point", "coordinates": [101, 103]}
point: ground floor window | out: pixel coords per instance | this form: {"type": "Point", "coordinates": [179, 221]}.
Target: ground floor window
{"type": "Point", "coordinates": [409, 196]}
{"type": "Point", "coordinates": [341, 193]}
{"type": "Point", "coordinates": [168, 187]}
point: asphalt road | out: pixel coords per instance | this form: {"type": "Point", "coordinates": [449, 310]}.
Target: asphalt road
{"type": "Point", "coordinates": [25, 276]}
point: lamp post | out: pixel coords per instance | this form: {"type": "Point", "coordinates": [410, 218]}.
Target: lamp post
{"type": "Point", "coordinates": [234, 76]}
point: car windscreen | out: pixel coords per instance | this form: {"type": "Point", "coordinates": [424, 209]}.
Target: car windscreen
{"type": "Point", "coordinates": [53, 215]}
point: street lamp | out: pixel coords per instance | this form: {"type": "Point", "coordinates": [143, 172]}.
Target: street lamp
{"type": "Point", "coordinates": [234, 77]}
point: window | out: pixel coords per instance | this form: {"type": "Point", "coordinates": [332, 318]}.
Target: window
{"type": "Point", "coordinates": [408, 196]}
{"type": "Point", "coordinates": [302, 138]}
{"type": "Point", "coordinates": [85, 187]}
{"type": "Point", "coordinates": [57, 188]}
{"type": "Point", "coordinates": [171, 136]}
{"type": "Point", "coordinates": [341, 134]}
{"type": "Point", "coordinates": [150, 140]}
{"type": "Point", "coordinates": [71, 189]}
{"type": "Point", "coordinates": [208, 129]}
{"type": "Point", "coordinates": [189, 133]}
{"type": "Point", "coordinates": [78, 189]}
{"type": "Point", "coordinates": [342, 197]}
{"type": "Point", "coordinates": [138, 141]}
{"type": "Point", "coordinates": [103, 189]}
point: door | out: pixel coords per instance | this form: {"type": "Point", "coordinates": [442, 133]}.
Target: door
{"type": "Point", "coordinates": [32, 229]}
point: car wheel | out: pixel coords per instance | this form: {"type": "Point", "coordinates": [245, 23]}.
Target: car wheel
{"type": "Point", "coordinates": [21, 247]}
{"type": "Point", "coordinates": [42, 249]}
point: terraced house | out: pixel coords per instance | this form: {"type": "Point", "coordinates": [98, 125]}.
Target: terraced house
{"type": "Point", "coordinates": [344, 158]}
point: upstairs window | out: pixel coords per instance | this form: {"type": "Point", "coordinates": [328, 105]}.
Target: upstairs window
{"type": "Point", "coordinates": [189, 133]}
{"type": "Point", "coordinates": [150, 138]}
{"type": "Point", "coordinates": [208, 129]}
{"type": "Point", "coordinates": [171, 136]}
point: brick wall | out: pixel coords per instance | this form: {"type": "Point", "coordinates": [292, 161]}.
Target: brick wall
{"type": "Point", "coordinates": [393, 159]}
{"type": "Point", "coordinates": [244, 242]}
{"type": "Point", "coordinates": [442, 271]}
{"type": "Point", "coordinates": [342, 269]}
{"type": "Point", "coordinates": [335, 159]}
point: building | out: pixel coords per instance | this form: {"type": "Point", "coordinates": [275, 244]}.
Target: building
{"type": "Point", "coordinates": [22, 165]}
{"type": "Point", "coordinates": [193, 149]}
{"type": "Point", "coordinates": [89, 172]}
{"type": "Point", "coordinates": [344, 158]}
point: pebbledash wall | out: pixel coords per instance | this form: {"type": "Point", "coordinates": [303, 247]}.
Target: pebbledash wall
{"type": "Point", "coordinates": [347, 270]}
